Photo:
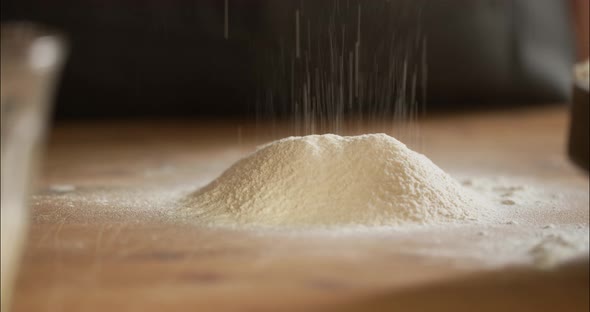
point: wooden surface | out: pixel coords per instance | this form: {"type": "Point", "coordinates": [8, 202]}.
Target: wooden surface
{"type": "Point", "coordinates": [112, 253]}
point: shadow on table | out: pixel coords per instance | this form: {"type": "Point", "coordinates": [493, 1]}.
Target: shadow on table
{"type": "Point", "coordinates": [562, 289]}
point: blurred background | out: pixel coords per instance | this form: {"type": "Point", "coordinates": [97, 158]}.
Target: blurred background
{"type": "Point", "coordinates": [173, 58]}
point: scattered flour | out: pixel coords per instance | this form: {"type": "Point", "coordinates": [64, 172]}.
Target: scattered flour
{"type": "Point", "coordinates": [299, 184]}
{"type": "Point", "coordinates": [329, 180]}
{"type": "Point", "coordinates": [62, 188]}
{"type": "Point", "coordinates": [555, 248]}
{"type": "Point", "coordinates": [546, 229]}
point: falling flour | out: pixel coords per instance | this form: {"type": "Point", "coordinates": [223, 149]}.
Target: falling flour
{"type": "Point", "coordinates": [330, 180]}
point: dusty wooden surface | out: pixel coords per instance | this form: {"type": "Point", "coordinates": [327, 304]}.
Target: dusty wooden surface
{"type": "Point", "coordinates": [85, 259]}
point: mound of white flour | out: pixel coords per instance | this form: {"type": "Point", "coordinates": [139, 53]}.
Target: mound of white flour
{"type": "Point", "coordinates": [328, 180]}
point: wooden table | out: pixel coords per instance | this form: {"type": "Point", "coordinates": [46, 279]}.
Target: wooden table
{"type": "Point", "coordinates": [89, 252]}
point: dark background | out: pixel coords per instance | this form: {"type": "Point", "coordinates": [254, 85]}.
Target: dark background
{"type": "Point", "coordinates": [170, 58]}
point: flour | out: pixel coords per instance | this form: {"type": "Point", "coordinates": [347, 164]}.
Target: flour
{"type": "Point", "coordinates": [266, 196]}
{"type": "Point", "coordinates": [329, 180]}
{"type": "Point", "coordinates": [62, 188]}
{"type": "Point", "coordinates": [554, 249]}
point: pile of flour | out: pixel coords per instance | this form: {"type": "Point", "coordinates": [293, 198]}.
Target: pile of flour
{"type": "Point", "coordinates": [330, 180]}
